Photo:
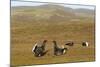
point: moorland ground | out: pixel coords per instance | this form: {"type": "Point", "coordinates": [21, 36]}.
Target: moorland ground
{"type": "Point", "coordinates": [29, 26]}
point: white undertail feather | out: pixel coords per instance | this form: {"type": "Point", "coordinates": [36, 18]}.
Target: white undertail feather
{"type": "Point", "coordinates": [34, 47]}
{"type": "Point", "coordinates": [64, 51]}
{"type": "Point", "coordinates": [39, 55]}
{"type": "Point", "coordinates": [87, 44]}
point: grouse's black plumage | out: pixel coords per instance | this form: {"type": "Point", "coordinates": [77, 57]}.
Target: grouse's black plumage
{"type": "Point", "coordinates": [58, 50]}
{"type": "Point", "coordinates": [70, 43]}
{"type": "Point", "coordinates": [39, 50]}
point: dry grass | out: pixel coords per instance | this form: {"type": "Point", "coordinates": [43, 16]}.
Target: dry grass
{"type": "Point", "coordinates": [25, 34]}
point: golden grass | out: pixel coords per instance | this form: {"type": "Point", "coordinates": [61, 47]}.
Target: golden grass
{"type": "Point", "coordinates": [24, 37]}
{"type": "Point", "coordinates": [25, 34]}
